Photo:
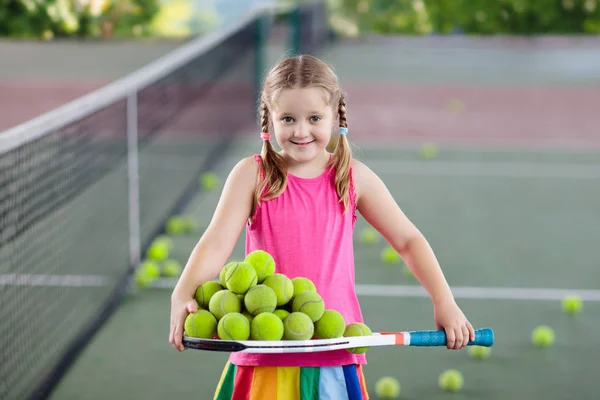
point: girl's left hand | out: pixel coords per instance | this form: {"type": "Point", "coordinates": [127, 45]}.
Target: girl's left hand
{"type": "Point", "coordinates": [449, 317]}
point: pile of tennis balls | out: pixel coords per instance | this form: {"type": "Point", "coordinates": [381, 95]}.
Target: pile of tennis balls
{"type": "Point", "coordinates": [253, 302]}
{"type": "Point", "coordinates": [157, 263]}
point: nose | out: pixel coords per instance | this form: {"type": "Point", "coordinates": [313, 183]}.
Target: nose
{"type": "Point", "coordinates": [302, 132]}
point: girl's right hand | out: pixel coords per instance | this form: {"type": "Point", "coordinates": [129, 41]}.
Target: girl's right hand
{"type": "Point", "coordinates": [181, 307]}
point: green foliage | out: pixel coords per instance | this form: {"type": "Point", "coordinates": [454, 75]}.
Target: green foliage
{"type": "Point", "coordinates": [522, 17]}
{"type": "Point", "coordinates": [48, 19]}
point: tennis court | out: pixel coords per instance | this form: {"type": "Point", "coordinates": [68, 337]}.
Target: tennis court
{"type": "Point", "coordinates": [513, 220]}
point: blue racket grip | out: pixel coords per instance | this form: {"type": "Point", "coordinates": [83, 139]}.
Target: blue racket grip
{"type": "Point", "coordinates": [483, 337]}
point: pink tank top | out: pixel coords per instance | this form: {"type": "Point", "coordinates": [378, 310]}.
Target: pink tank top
{"type": "Point", "coordinates": [308, 234]}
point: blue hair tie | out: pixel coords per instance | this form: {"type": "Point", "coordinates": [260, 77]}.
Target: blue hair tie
{"type": "Point", "coordinates": [343, 130]}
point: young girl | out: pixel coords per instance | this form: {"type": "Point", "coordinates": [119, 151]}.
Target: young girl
{"type": "Point", "coordinates": [299, 205]}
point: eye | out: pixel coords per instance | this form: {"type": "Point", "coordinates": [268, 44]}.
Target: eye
{"type": "Point", "coordinates": [287, 120]}
{"type": "Point", "coordinates": [315, 118]}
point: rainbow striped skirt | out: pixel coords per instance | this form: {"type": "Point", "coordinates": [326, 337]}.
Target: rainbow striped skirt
{"type": "Point", "coordinates": [292, 383]}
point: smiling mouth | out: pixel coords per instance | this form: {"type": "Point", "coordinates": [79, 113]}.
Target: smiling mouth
{"type": "Point", "coordinates": [302, 143]}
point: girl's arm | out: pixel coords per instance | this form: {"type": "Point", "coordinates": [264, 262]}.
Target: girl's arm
{"type": "Point", "coordinates": [215, 246]}
{"type": "Point", "coordinates": [378, 207]}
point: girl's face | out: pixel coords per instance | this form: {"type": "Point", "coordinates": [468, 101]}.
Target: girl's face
{"type": "Point", "coordinates": [302, 121]}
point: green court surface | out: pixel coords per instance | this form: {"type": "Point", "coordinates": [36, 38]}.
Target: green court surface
{"type": "Point", "coordinates": [498, 220]}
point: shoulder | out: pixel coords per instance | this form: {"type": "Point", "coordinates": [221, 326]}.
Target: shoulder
{"type": "Point", "coordinates": [362, 175]}
{"type": "Point", "coordinates": [245, 170]}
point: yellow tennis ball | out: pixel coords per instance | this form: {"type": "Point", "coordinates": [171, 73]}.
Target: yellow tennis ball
{"type": "Point", "coordinates": [240, 277]}
{"type": "Point", "coordinates": [369, 236]}
{"type": "Point", "coordinates": [266, 326]}
{"type": "Point", "coordinates": [451, 380]}
{"type": "Point", "coordinates": [572, 304]}
{"type": "Point", "coordinates": [298, 326]}
{"type": "Point", "coordinates": [357, 329]}
{"type": "Point", "coordinates": [281, 313]}
{"type": "Point", "coordinates": [164, 239]}
{"type": "Point", "coordinates": [282, 286]}
{"type": "Point", "coordinates": [224, 302]}
{"type": "Point", "coordinates": [209, 180]}
{"type": "Point", "coordinates": [205, 292]}
{"type": "Point", "coordinates": [387, 388]}
{"type": "Point", "coordinates": [479, 352]}
{"type": "Point", "coordinates": [224, 271]}
{"type": "Point", "coordinates": [143, 279]}
{"type": "Point", "coordinates": [302, 284]}
{"type": "Point", "coordinates": [330, 325]}
{"type": "Point", "coordinates": [151, 268]}
{"type": "Point", "coordinates": [171, 268]}
{"type": "Point", "coordinates": [262, 262]}
{"type": "Point", "coordinates": [176, 225]}
{"type": "Point", "coordinates": [390, 256]}
{"type": "Point", "coordinates": [542, 336]}
{"type": "Point", "coordinates": [428, 151]}
{"type": "Point", "coordinates": [201, 324]}
{"type": "Point", "coordinates": [260, 299]}
{"type": "Point", "coordinates": [233, 326]}
{"type": "Point", "coordinates": [309, 303]}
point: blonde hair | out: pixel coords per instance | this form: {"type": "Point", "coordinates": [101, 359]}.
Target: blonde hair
{"type": "Point", "coordinates": [300, 72]}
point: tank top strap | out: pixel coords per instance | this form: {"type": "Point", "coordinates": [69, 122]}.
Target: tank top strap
{"type": "Point", "coordinates": [352, 196]}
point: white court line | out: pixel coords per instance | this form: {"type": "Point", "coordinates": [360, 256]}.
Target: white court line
{"type": "Point", "coordinates": [487, 169]}
{"type": "Point", "coordinates": [55, 280]}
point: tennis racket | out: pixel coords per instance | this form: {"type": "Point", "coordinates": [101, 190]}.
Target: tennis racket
{"type": "Point", "coordinates": [483, 337]}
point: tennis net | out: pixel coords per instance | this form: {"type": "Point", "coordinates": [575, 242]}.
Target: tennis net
{"type": "Point", "coordinates": [84, 188]}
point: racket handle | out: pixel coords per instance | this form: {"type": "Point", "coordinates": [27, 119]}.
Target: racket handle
{"type": "Point", "coordinates": [483, 337]}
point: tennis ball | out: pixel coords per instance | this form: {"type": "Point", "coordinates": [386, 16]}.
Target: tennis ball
{"type": "Point", "coordinates": [455, 105]}
{"type": "Point", "coordinates": [298, 326]}
{"type": "Point", "coordinates": [266, 326]}
{"type": "Point", "coordinates": [190, 224]}
{"type": "Point", "coordinates": [233, 326]}
{"type": "Point", "coordinates": [428, 151]}
{"type": "Point", "coordinates": [479, 352]}
{"type": "Point", "coordinates": [201, 324]}
{"type": "Point", "coordinates": [309, 303]}
{"type": "Point", "coordinates": [281, 313]}
{"type": "Point", "coordinates": [224, 271]}
{"type": "Point", "coordinates": [357, 329]}
{"type": "Point", "coordinates": [171, 268]}
{"type": "Point", "coordinates": [369, 236]}
{"type": "Point", "coordinates": [330, 325]}
{"type": "Point", "coordinates": [205, 292]}
{"type": "Point", "coordinates": [209, 181]}
{"type": "Point", "coordinates": [143, 279]}
{"type": "Point", "coordinates": [151, 268]}
{"type": "Point", "coordinates": [542, 336]}
{"type": "Point", "coordinates": [451, 380]}
{"type": "Point", "coordinates": [176, 225]}
{"type": "Point", "coordinates": [224, 302]}
{"type": "Point", "coordinates": [240, 277]}
{"type": "Point", "coordinates": [164, 239]}
{"type": "Point", "coordinates": [303, 284]}
{"type": "Point", "coordinates": [282, 286]}
{"type": "Point", "coordinates": [158, 251]}
{"type": "Point", "coordinates": [390, 256]}
{"type": "Point", "coordinates": [387, 388]}
{"type": "Point", "coordinates": [572, 304]}
{"type": "Point", "coordinates": [260, 299]}
{"type": "Point", "coordinates": [262, 262]}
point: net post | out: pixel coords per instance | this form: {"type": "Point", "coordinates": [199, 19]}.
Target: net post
{"type": "Point", "coordinates": [262, 32]}
{"type": "Point", "coordinates": [133, 180]}
{"type": "Point", "coordinates": [295, 37]}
